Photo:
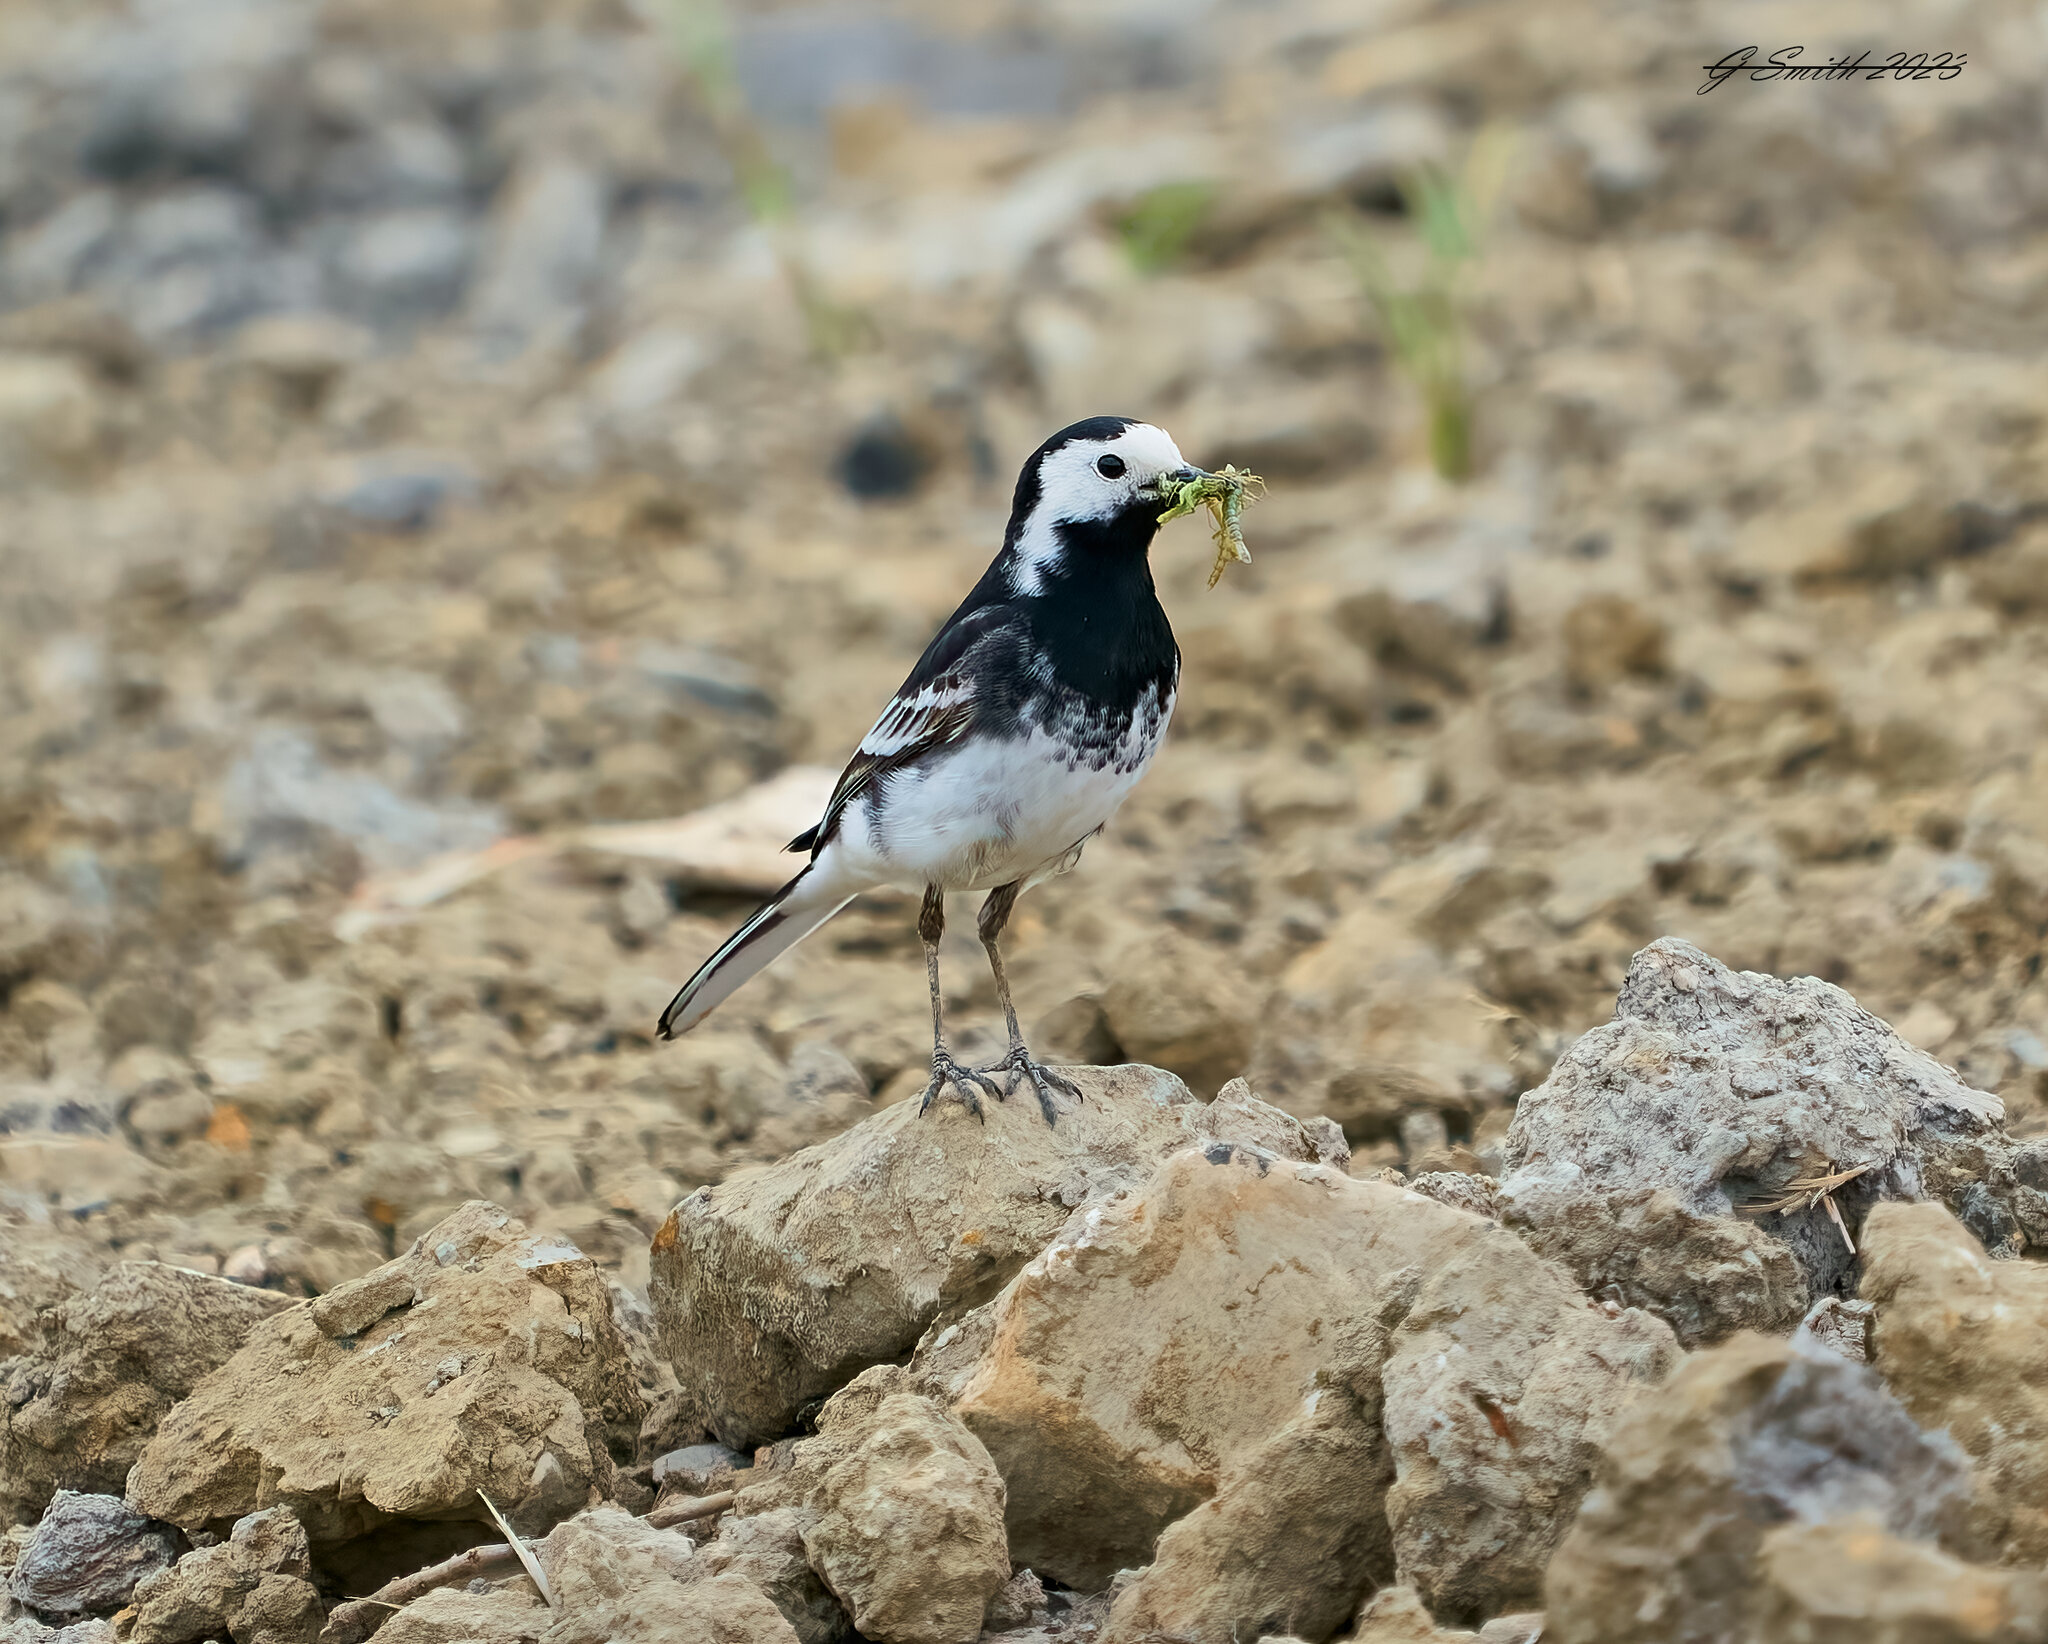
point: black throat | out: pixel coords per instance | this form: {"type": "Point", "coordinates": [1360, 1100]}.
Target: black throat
{"type": "Point", "coordinates": [1096, 618]}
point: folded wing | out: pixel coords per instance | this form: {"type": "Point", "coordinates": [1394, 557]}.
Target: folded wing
{"type": "Point", "coordinates": [958, 685]}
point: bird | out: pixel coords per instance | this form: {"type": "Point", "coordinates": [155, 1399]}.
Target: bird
{"type": "Point", "coordinates": [1026, 723]}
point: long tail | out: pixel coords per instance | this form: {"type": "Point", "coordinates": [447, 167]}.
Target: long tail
{"type": "Point", "coordinates": [784, 920]}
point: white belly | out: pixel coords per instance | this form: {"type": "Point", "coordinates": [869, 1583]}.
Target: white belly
{"type": "Point", "coordinates": [987, 813]}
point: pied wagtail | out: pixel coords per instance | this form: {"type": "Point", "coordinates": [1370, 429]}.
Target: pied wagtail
{"type": "Point", "coordinates": [1024, 725]}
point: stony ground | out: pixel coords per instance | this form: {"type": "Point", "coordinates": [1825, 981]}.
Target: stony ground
{"type": "Point", "coordinates": [412, 444]}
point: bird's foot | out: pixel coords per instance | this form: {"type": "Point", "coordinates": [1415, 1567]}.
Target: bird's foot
{"type": "Point", "coordinates": [946, 1071]}
{"type": "Point", "coordinates": [1045, 1081]}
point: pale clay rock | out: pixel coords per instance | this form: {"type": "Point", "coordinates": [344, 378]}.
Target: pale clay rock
{"type": "Point", "coordinates": [909, 1532]}
{"type": "Point", "coordinates": [768, 1550]}
{"type": "Point", "coordinates": [121, 1355]}
{"type": "Point", "coordinates": [26, 1631]}
{"type": "Point", "coordinates": [254, 1585]}
{"type": "Point", "coordinates": [777, 1286]}
{"type": "Point", "coordinates": [454, 1615]}
{"type": "Point", "coordinates": [1295, 1530]}
{"type": "Point", "coordinates": [616, 1580]}
{"type": "Point", "coordinates": [1963, 1341]}
{"type": "Point", "coordinates": [1330, 1041]}
{"type": "Point", "coordinates": [1713, 1090]}
{"type": "Point", "coordinates": [1168, 1334]}
{"type": "Point", "coordinates": [725, 1609]}
{"type": "Point", "coordinates": [1013, 1606]}
{"type": "Point", "coordinates": [358, 1431]}
{"type": "Point", "coordinates": [37, 1273]}
{"type": "Point", "coordinates": [1395, 1615]}
{"type": "Point", "coordinates": [1840, 1327]}
{"type": "Point", "coordinates": [900, 1509]}
{"type": "Point", "coordinates": [616, 1577]}
{"type": "Point", "coordinates": [1749, 1434]}
{"type": "Point", "coordinates": [1852, 1582]}
{"type": "Point", "coordinates": [351, 1308]}
{"type": "Point", "coordinates": [1177, 1004]}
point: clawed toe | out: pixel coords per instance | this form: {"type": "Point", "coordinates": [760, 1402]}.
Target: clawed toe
{"type": "Point", "coordinates": [964, 1080]}
{"type": "Point", "coordinates": [1044, 1081]}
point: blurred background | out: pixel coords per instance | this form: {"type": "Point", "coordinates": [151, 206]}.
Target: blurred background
{"type": "Point", "coordinates": [428, 426]}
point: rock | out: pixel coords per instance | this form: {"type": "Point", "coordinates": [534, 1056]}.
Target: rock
{"type": "Point", "coordinates": [1499, 1391]}
{"type": "Point", "coordinates": [1749, 1434]}
{"type": "Point", "coordinates": [883, 460]}
{"type": "Point", "coordinates": [37, 1274]}
{"type": "Point", "coordinates": [253, 1584]}
{"type": "Point", "coordinates": [1723, 1090]}
{"type": "Point", "coordinates": [404, 263]}
{"type": "Point", "coordinates": [1020, 1598]}
{"type": "Point", "coordinates": [83, 328]}
{"type": "Point", "coordinates": [1176, 1003]}
{"type": "Point", "coordinates": [1397, 1615]}
{"type": "Point", "coordinates": [768, 1550]}
{"type": "Point", "coordinates": [611, 1574]}
{"type": "Point", "coordinates": [53, 423]}
{"type": "Point", "coordinates": [1963, 1341]}
{"type": "Point", "coordinates": [1705, 1276]}
{"type": "Point", "coordinates": [453, 1615]}
{"type": "Point", "coordinates": [1434, 634]}
{"type": "Point", "coordinates": [618, 1578]}
{"type": "Point", "coordinates": [404, 497]}
{"type": "Point", "coordinates": [88, 1553]}
{"type": "Point", "coordinates": [673, 1416]}
{"type": "Point", "coordinates": [281, 787]}
{"type": "Point", "coordinates": [73, 1173]}
{"type": "Point", "coordinates": [1852, 1583]}
{"type": "Point", "coordinates": [1167, 1335]}
{"type": "Point", "coordinates": [120, 1357]}
{"type": "Point", "coordinates": [1294, 1532]}
{"type": "Point", "coordinates": [1238, 1115]}
{"type": "Point", "coordinates": [722, 1609]}
{"type": "Point", "coordinates": [2016, 581]}
{"type": "Point", "coordinates": [1479, 1195]}
{"type": "Point", "coordinates": [1374, 1023]}
{"type": "Point", "coordinates": [909, 1526]}
{"type": "Point", "coordinates": [42, 934]}
{"type": "Point", "coordinates": [780, 1284]}
{"type": "Point", "coordinates": [507, 1375]}
{"type": "Point", "coordinates": [698, 1469]}
{"type": "Point", "coordinates": [281, 1610]}
{"type": "Point", "coordinates": [1841, 1327]}
{"type": "Point", "coordinates": [822, 1094]}
{"type": "Point", "coordinates": [301, 356]}
{"type": "Point", "coordinates": [351, 1308]}
{"type": "Point", "coordinates": [543, 252]}
{"type": "Point", "coordinates": [1607, 638]}
{"type": "Point", "coordinates": [26, 1631]}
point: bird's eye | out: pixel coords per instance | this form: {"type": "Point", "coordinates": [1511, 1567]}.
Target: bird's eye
{"type": "Point", "coordinates": [1110, 467]}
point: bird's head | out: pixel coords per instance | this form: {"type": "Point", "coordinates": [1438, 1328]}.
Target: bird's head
{"type": "Point", "coordinates": [1093, 489]}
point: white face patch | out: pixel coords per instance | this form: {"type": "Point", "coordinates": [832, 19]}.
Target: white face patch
{"type": "Point", "coordinates": [1073, 488]}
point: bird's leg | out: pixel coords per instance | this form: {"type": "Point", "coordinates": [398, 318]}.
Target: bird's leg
{"type": "Point", "coordinates": [931, 925]}
{"type": "Point", "coordinates": [995, 914]}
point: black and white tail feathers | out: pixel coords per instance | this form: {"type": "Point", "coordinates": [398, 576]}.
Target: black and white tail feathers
{"type": "Point", "coordinates": [784, 920]}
